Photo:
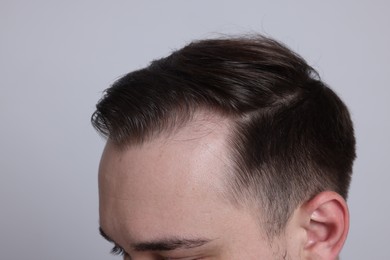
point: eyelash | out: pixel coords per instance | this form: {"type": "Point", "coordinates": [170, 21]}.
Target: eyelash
{"type": "Point", "coordinates": [116, 250]}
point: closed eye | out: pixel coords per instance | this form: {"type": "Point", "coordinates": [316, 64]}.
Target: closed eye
{"type": "Point", "coordinates": [117, 250]}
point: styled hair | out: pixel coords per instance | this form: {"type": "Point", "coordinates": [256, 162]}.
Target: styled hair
{"type": "Point", "coordinates": [291, 135]}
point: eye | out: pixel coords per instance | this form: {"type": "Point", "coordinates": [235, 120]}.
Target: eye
{"type": "Point", "coordinates": [117, 250]}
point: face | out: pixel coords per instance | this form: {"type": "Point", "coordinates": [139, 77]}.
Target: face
{"type": "Point", "coordinates": [164, 200]}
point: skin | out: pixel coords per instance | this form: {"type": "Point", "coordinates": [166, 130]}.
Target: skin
{"type": "Point", "coordinates": [164, 199]}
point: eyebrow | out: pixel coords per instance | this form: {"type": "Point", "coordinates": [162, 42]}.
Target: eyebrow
{"type": "Point", "coordinates": [166, 244]}
{"type": "Point", "coordinates": [104, 235]}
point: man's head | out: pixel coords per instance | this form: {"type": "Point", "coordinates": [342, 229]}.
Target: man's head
{"type": "Point", "coordinates": [236, 141]}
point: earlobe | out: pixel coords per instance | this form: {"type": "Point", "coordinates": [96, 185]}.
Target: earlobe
{"type": "Point", "coordinates": [327, 225]}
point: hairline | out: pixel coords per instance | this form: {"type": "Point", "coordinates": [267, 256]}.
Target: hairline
{"type": "Point", "coordinates": [234, 193]}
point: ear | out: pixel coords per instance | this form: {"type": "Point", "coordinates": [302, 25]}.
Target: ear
{"type": "Point", "coordinates": [326, 226]}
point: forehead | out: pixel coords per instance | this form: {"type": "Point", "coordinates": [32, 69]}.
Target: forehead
{"type": "Point", "coordinates": [158, 183]}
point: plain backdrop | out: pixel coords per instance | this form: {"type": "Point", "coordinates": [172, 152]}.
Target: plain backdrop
{"type": "Point", "coordinates": [56, 58]}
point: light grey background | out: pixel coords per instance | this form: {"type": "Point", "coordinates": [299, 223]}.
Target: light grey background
{"type": "Point", "coordinates": [56, 57]}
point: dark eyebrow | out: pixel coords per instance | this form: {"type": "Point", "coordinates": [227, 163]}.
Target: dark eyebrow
{"type": "Point", "coordinates": [104, 235]}
{"type": "Point", "coordinates": [163, 244]}
{"type": "Point", "coordinates": [169, 244]}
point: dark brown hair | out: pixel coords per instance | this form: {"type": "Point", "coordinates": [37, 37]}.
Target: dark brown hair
{"type": "Point", "coordinates": [292, 137]}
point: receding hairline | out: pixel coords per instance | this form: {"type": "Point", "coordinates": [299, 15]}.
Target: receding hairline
{"type": "Point", "coordinates": [200, 119]}
{"type": "Point", "coordinates": [203, 121]}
